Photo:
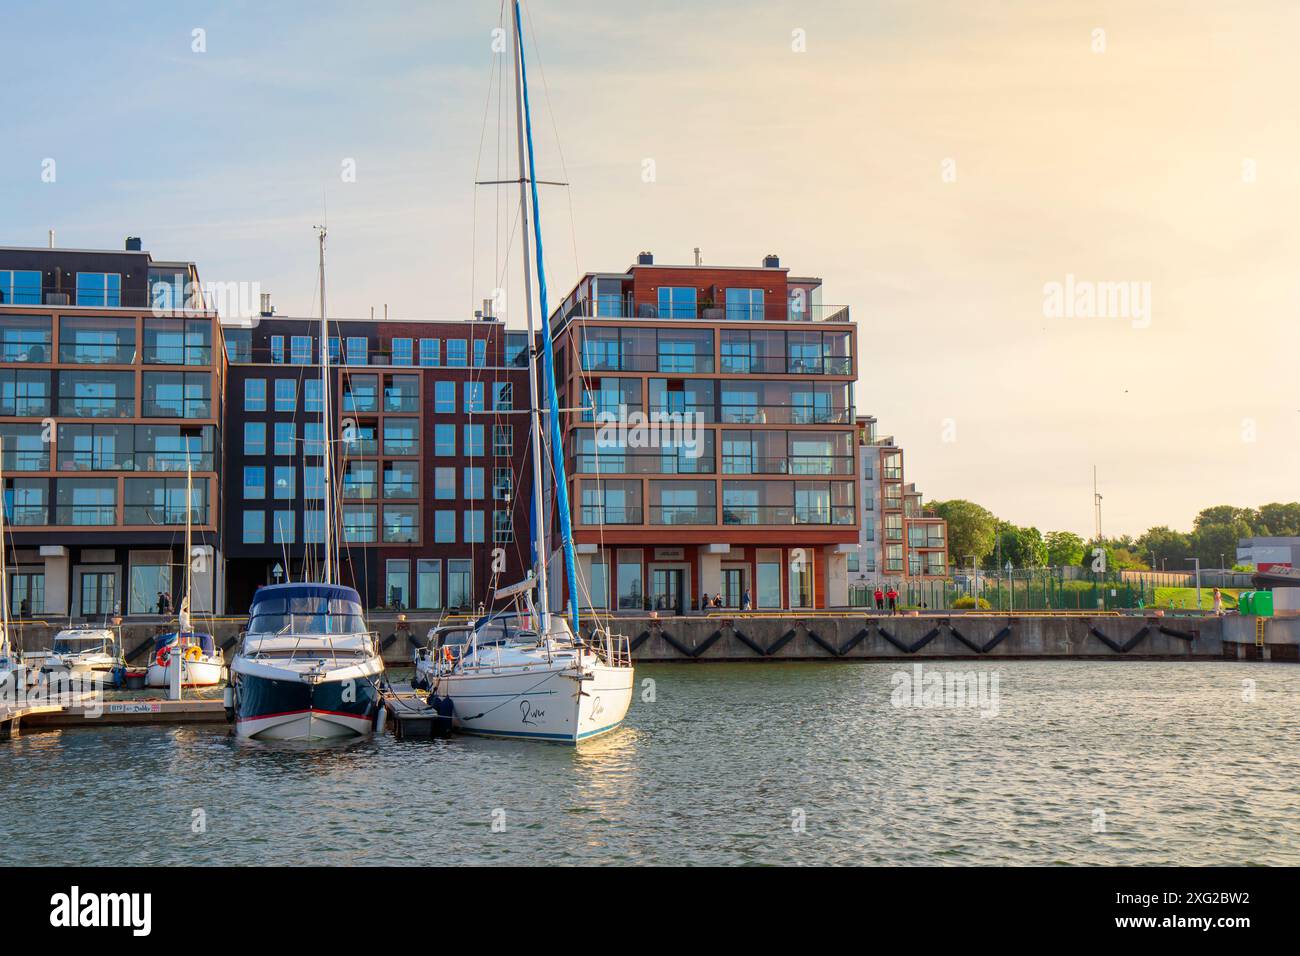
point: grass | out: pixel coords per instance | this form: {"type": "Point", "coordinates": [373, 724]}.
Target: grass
{"type": "Point", "coordinates": [1186, 598]}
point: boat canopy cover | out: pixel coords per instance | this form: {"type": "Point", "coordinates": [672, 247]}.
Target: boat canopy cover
{"type": "Point", "coordinates": [205, 641]}
{"type": "Point", "coordinates": [306, 609]}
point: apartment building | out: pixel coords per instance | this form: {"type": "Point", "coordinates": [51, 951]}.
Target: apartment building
{"type": "Point", "coordinates": [710, 442]}
{"type": "Point", "coordinates": [898, 542]}
{"type": "Point", "coordinates": [431, 437]}
{"type": "Point", "coordinates": [111, 377]}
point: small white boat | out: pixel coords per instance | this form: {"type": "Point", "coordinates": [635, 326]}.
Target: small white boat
{"type": "Point", "coordinates": [81, 650]}
{"type": "Point", "coordinates": [202, 664]}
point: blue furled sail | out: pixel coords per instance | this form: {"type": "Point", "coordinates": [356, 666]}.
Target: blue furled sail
{"type": "Point", "coordinates": [552, 398]}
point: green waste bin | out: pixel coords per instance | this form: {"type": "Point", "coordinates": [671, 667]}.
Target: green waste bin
{"type": "Point", "coordinates": [1246, 602]}
{"type": "Point", "coordinates": [1261, 603]}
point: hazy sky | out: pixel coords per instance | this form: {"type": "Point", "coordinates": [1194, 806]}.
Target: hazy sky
{"type": "Point", "coordinates": [937, 163]}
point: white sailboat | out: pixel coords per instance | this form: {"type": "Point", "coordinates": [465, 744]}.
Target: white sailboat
{"type": "Point", "coordinates": [308, 668]}
{"type": "Point", "coordinates": [526, 672]}
{"type": "Point", "coordinates": [201, 659]}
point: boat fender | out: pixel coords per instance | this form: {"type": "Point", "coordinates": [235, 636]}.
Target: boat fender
{"type": "Point", "coordinates": [381, 720]}
{"type": "Point", "coordinates": [118, 675]}
{"type": "Point", "coordinates": [228, 699]}
{"type": "Point", "coordinates": [193, 653]}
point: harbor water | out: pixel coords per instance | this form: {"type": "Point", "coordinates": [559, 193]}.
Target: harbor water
{"type": "Point", "coordinates": [1113, 762]}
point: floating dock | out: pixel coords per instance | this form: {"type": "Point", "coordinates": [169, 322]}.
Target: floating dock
{"type": "Point", "coordinates": [106, 713]}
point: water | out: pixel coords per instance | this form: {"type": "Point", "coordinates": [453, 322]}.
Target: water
{"type": "Point", "coordinates": [717, 770]}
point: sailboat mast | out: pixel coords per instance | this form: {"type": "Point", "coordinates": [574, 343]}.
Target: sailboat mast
{"type": "Point", "coordinates": [189, 530]}
{"type": "Point", "coordinates": [535, 438]}
{"type": "Point", "coordinates": [327, 451]}
{"type": "Point", "coordinates": [4, 569]}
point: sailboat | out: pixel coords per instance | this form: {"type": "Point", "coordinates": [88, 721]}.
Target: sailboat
{"type": "Point", "coordinates": [524, 671]}
{"type": "Point", "coordinates": [308, 668]}
{"type": "Point", "coordinates": [201, 661]}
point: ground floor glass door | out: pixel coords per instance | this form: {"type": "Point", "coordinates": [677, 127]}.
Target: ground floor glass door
{"type": "Point", "coordinates": [666, 589]}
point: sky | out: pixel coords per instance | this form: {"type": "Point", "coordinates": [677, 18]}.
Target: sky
{"type": "Point", "coordinates": [939, 164]}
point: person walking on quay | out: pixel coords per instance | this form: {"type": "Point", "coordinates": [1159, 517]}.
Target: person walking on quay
{"type": "Point", "coordinates": [1218, 602]}
{"type": "Point", "coordinates": [747, 602]}
{"type": "Point", "coordinates": [704, 602]}
{"type": "Point", "coordinates": [880, 599]}
{"type": "Point", "coordinates": [164, 604]}
{"type": "Point", "coordinates": [893, 599]}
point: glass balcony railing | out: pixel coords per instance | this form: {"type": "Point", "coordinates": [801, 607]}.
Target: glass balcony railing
{"type": "Point", "coordinates": [596, 514]}
{"type": "Point", "coordinates": [786, 515]}
{"type": "Point", "coordinates": [789, 465]}
{"type": "Point", "coordinates": [683, 514]}
{"type": "Point", "coordinates": [96, 353]}
{"type": "Point", "coordinates": [86, 515]}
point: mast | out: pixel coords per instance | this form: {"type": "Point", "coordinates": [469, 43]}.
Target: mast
{"type": "Point", "coordinates": [535, 424]}
{"type": "Point", "coordinates": [4, 562]}
{"type": "Point", "coordinates": [328, 462]}
{"type": "Point", "coordinates": [184, 615]}
{"type": "Point", "coordinates": [548, 351]}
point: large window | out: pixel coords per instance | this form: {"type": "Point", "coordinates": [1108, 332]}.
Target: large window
{"type": "Point", "coordinates": [96, 340]}
{"type": "Point", "coordinates": [611, 502]}
{"type": "Point", "coordinates": [769, 579]}
{"type": "Point", "coordinates": [24, 447]}
{"type": "Point", "coordinates": [401, 524]}
{"type": "Point", "coordinates": [286, 439]}
{"type": "Point", "coordinates": [286, 395]}
{"type": "Point", "coordinates": [25, 338]}
{"type": "Point", "coordinates": [24, 392]}
{"type": "Point", "coordinates": [150, 576]}
{"type": "Point", "coordinates": [401, 479]}
{"type": "Point", "coordinates": [175, 447]}
{"type": "Point", "coordinates": [473, 441]}
{"type": "Point", "coordinates": [161, 501]}
{"type": "Point", "coordinates": [361, 393]}
{"type": "Point", "coordinates": [444, 527]}
{"type": "Point", "coordinates": [254, 438]}
{"type": "Point", "coordinates": [745, 305]}
{"type": "Point", "coordinates": [676, 302]}
{"type": "Point", "coordinates": [360, 524]}
{"type": "Point", "coordinates": [444, 483]}
{"type": "Point", "coordinates": [96, 447]}
{"type": "Point", "coordinates": [401, 436]}
{"type": "Point", "coordinates": [401, 393]}
{"type": "Point", "coordinates": [254, 482]}
{"type": "Point", "coordinates": [457, 356]}
{"type": "Point", "coordinates": [27, 501]}
{"type": "Point", "coordinates": [685, 350]}
{"type": "Point", "coordinates": [397, 583]}
{"type": "Point", "coordinates": [460, 583]}
{"type": "Point", "coordinates": [179, 342]}
{"type": "Point", "coordinates": [444, 439]}
{"type": "Point", "coordinates": [630, 592]}
{"type": "Point", "coordinates": [96, 394]}
{"type": "Point", "coordinates": [359, 480]}
{"type": "Point", "coordinates": [429, 351]}
{"type": "Point", "coordinates": [428, 584]}
{"type": "Point", "coordinates": [86, 501]}
{"type": "Point", "coordinates": [403, 352]}
{"type": "Point", "coordinates": [20, 287]}
{"type": "Point", "coordinates": [177, 395]}
{"type": "Point", "coordinates": [254, 527]}
{"type": "Point", "coordinates": [300, 349]}
{"type": "Point", "coordinates": [683, 502]}
{"type": "Point", "coordinates": [254, 394]}
{"type": "Point", "coordinates": [99, 288]}
{"type": "Point", "coordinates": [284, 482]}
{"type": "Point", "coordinates": [473, 396]}
{"type": "Point", "coordinates": [357, 350]}
{"type": "Point", "coordinates": [283, 527]}
{"type": "Point", "coordinates": [473, 484]}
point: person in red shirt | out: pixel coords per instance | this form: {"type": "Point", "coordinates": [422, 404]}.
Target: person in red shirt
{"type": "Point", "coordinates": [893, 599]}
{"type": "Point", "coordinates": [880, 600]}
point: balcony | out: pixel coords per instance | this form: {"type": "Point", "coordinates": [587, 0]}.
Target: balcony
{"type": "Point", "coordinates": [626, 307]}
{"type": "Point", "coordinates": [744, 364]}
{"type": "Point", "coordinates": [788, 465]}
{"type": "Point", "coordinates": [683, 514]}
{"type": "Point", "coordinates": [753, 414]}
{"type": "Point", "coordinates": [786, 515]}
{"type": "Point", "coordinates": [611, 514]}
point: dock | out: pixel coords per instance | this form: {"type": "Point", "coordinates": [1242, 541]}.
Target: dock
{"type": "Point", "coordinates": [410, 716]}
{"type": "Point", "coordinates": [109, 713]}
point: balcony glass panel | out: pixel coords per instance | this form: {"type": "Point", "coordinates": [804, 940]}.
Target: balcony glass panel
{"type": "Point", "coordinates": [86, 501]}
{"type": "Point", "coordinates": [96, 448]}
{"type": "Point", "coordinates": [25, 338]}
{"type": "Point", "coordinates": [96, 394]}
{"type": "Point", "coordinates": [177, 395]}
{"type": "Point", "coordinates": [24, 448]}
{"type": "Point", "coordinates": [180, 342]}
{"type": "Point", "coordinates": [25, 392]}
{"type": "Point", "coordinates": [27, 502]}
{"type": "Point", "coordinates": [162, 501]}
{"type": "Point", "coordinates": [92, 340]}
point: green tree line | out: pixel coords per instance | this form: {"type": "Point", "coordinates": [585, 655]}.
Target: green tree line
{"type": "Point", "coordinates": [974, 530]}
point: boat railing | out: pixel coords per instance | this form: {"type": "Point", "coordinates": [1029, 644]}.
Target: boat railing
{"type": "Point", "coordinates": [615, 649]}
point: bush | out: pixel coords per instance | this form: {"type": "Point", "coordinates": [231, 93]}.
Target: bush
{"type": "Point", "coordinates": [969, 602]}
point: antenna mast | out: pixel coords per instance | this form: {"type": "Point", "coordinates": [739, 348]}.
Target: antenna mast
{"type": "Point", "coordinates": [327, 451]}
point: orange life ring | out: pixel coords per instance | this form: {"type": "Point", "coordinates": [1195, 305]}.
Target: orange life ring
{"type": "Point", "coordinates": [447, 654]}
{"type": "Point", "coordinates": [164, 655]}
{"type": "Point", "coordinates": [193, 653]}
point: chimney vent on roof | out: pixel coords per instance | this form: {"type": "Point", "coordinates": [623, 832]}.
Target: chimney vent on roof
{"type": "Point", "coordinates": [487, 309]}
{"type": "Point", "coordinates": [267, 310]}
{"type": "Point", "coordinates": [645, 259]}
{"type": "Point", "coordinates": [771, 261]}
{"type": "Point", "coordinates": [133, 244]}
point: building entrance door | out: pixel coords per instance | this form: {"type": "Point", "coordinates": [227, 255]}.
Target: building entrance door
{"type": "Point", "coordinates": [733, 586]}
{"type": "Point", "coordinates": [98, 590]}
{"type": "Point", "coordinates": [666, 589]}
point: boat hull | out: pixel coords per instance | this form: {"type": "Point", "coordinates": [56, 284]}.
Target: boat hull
{"type": "Point", "coordinates": [272, 709]}
{"type": "Point", "coordinates": [540, 705]}
{"type": "Point", "coordinates": [193, 674]}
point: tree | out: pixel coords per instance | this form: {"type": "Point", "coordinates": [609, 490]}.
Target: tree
{"type": "Point", "coordinates": [1166, 547]}
{"type": "Point", "coordinates": [1063, 547]}
{"type": "Point", "coordinates": [1210, 542]}
{"type": "Point", "coordinates": [971, 529]}
{"type": "Point", "coordinates": [1022, 547]}
{"type": "Point", "coordinates": [1225, 514]}
{"type": "Point", "coordinates": [1279, 520]}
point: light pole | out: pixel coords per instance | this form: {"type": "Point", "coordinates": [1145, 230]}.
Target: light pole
{"type": "Point", "coordinates": [1011, 594]}
{"type": "Point", "coordinates": [1198, 581]}
{"type": "Point", "coordinates": [974, 580]}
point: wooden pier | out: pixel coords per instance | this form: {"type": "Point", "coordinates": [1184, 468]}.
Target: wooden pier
{"type": "Point", "coordinates": [108, 713]}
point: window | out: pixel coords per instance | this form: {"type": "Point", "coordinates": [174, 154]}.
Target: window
{"type": "Point", "coordinates": [254, 438]}
{"type": "Point", "coordinates": [428, 584]}
{"type": "Point", "coordinates": [401, 479]}
{"type": "Point", "coordinates": [444, 439]}
{"type": "Point", "coordinates": [254, 394]}
{"type": "Point", "coordinates": [183, 342]}
{"type": "Point", "coordinates": [254, 482]}
{"type": "Point", "coordinates": [313, 483]}
{"type": "Point", "coordinates": [99, 288]}
{"type": "Point", "coordinates": [277, 349]}
{"type": "Point", "coordinates": [254, 527]}
{"type": "Point", "coordinates": [285, 438]}
{"type": "Point", "coordinates": [286, 395]}
{"type": "Point", "coordinates": [473, 527]}
{"type": "Point", "coordinates": [336, 351]}
{"type": "Point", "coordinates": [397, 584]}
{"type": "Point", "coordinates": [282, 527]}
{"type": "Point", "coordinates": [599, 582]}
{"type": "Point", "coordinates": [460, 584]}
{"type": "Point", "coordinates": [444, 483]}
{"type": "Point", "coordinates": [359, 524]}
{"type": "Point", "coordinates": [177, 395]}
{"type": "Point", "coordinates": [96, 394]}
{"type": "Point", "coordinates": [96, 448]}
{"type": "Point", "coordinates": [361, 393]}
{"type": "Point", "coordinates": [239, 344]}
{"type": "Point", "coordinates": [429, 351]}
{"type": "Point", "coordinates": [401, 524]}
{"type": "Point", "coordinates": [456, 355]}
{"type": "Point", "coordinates": [676, 302]}
{"type": "Point", "coordinates": [480, 353]}
{"type": "Point", "coordinates": [801, 578]}
{"type": "Point", "coordinates": [25, 338]}
{"type": "Point", "coordinates": [444, 527]}
{"type": "Point", "coordinates": [769, 579]}
{"type": "Point", "coordinates": [25, 392]}
{"type": "Point", "coordinates": [25, 448]}
{"type": "Point", "coordinates": [401, 436]}
{"type": "Point", "coordinates": [401, 393]}
{"type": "Point", "coordinates": [503, 531]}
{"type": "Point", "coordinates": [852, 562]}
{"type": "Point", "coordinates": [503, 396]}
{"type": "Point", "coordinates": [444, 397]}
{"type": "Point", "coordinates": [630, 595]}
{"type": "Point", "coordinates": [286, 488]}
{"type": "Point", "coordinates": [473, 483]}
{"type": "Point", "coordinates": [300, 350]}
{"type": "Point", "coordinates": [473, 441]}
{"type": "Point", "coordinates": [311, 396]}
{"type": "Point", "coordinates": [502, 484]}
{"type": "Point", "coordinates": [503, 440]}
{"type": "Point", "coordinates": [402, 352]}
{"type": "Point", "coordinates": [359, 480]}
{"type": "Point", "coordinates": [27, 501]}
{"type": "Point", "coordinates": [357, 346]}
{"type": "Point", "coordinates": [20, 288]}
{"type": "Point", "coordinates": [745, 304]}
{"type": "Point", "coordinates": [93, 340]}
{"type": "Point", "coordinates": [172, 447]}
{"type": "Point", "coordinates": [86, 501]}
{"type": "Point", "coordinates": [473, 396]}
{"type": "Point", "coordinates": [516, 350]}
{"type": "Point", "coordinates": [313, 526]}
{"type": "Point", "coordinates": [313, 439]}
